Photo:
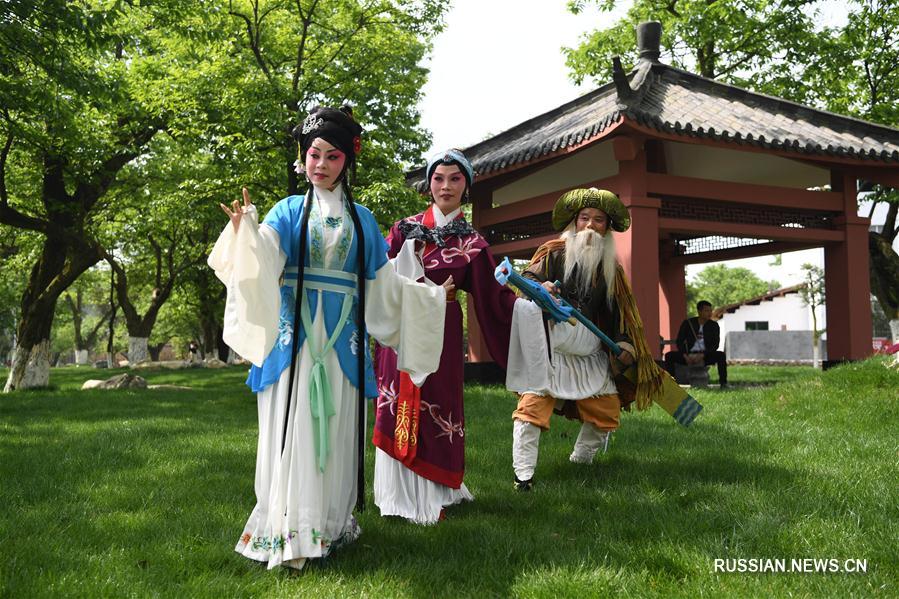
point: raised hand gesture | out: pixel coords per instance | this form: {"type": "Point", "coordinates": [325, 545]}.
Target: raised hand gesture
{"type": "Point", "coordinates": [237, 211]}
{"type": "Point", "coordinates": [450, 287]}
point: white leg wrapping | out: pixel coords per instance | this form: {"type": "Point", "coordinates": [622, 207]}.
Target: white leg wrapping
{"type": "Point", "coordinates": [525, 446]}
{"type": "Point", "coordinates": [589, 441]}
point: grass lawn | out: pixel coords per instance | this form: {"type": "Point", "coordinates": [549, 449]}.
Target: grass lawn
{"type": "Point", "coordinates": [144, 493]}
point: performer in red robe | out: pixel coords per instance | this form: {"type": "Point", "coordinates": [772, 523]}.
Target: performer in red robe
{"type": "Point", "coordinates": [420, 432]}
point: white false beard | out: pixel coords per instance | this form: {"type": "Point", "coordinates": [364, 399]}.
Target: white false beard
{"type": "Point", "coordinates": [588, 250]}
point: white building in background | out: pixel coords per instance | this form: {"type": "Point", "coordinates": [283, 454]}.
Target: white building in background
{"type": "Point", "coordinates": [774, 327]}
{"type": "Point", "coordinates": [780, 310]}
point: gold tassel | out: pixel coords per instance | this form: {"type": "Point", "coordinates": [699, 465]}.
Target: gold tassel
{"type": "Point", "coordinates": [649, 375]}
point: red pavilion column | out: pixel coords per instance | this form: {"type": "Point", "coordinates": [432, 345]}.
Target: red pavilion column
{"type": "Point", "coordinates": [846, 280]}
{"type": "Point", "coordinates": [672, 291]}
{"type": "Point", "coordinates": [638, 247]}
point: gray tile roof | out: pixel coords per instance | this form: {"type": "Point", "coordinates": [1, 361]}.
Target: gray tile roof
{"type": "Point", "coordinates": [670, 100]}
{"type": "Point", "coordinates": [754, 301]}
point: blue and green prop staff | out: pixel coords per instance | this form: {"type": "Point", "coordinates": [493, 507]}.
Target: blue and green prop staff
{"type": "Point", "coordinates": [674, 399]}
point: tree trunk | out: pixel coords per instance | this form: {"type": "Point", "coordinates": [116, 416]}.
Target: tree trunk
{"type": "Point", "coordinates": [77, 319]}
{"type": "Point", "coordinates": [211, 298]}
{"type": "Point", "coordinates": [816, 356]}
{"type": "Point", "coordinates": [137, 350]}
{"type": "Point", "coordinates": [222, 347]}
{"type": "Point", "coordinates": [155, 349]}
{"type": "Point", "coordinates": [68, 249]}
{"type": "Point", "coordinates": [140, 327]}
{"type": "Point", "coordinates": [58, 266]}
{"type": "Point", "coordinates": [885, 278]}
{"type": "Point", "coordinates": [30, 368]}
{"type": "Point", "coordinates": [81, 357]}
{"type": "Point", "coordinates": [110, 338]}
{"type": "Point", "coordinates": [208, 340]}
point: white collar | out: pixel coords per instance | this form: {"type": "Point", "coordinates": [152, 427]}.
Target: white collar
{"type": "Point", "coordinates": [328, 196]}
{"type": "Point", "coordinates": [441, 220]}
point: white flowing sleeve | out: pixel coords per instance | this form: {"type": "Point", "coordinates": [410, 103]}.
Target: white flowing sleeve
{"type": "Point", "coordinates": [407, 317]}
{"type": "Point", "coordinates": [528, 369]}
{"type": "Point", "coordinates": [578, 369]}
{"type": "Point", "coordinates": [249, 263]}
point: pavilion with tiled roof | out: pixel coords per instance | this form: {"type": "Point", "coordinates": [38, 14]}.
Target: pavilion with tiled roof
{"type": "Point", "coordinates": [709, 171]}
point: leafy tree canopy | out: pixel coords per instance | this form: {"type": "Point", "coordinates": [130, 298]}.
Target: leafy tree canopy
{"type": "Point", "coordinates": [722, 285]}
{"type": "Point", "coordinates": [720, 39]}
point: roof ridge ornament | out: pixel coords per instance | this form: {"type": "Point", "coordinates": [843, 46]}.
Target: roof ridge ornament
{"type": "Point", "coordinates": [649, 40]}
{"type": "Point", "coordinates": [630, 93]}
{"type": "Point", "coordinates": [622, 87]}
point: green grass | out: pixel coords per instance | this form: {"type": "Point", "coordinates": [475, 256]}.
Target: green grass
{"type": "Point", "coordinates": [121, 493]}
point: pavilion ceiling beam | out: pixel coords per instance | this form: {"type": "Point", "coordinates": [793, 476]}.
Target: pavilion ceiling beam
{"type": "Point", "coordinates": [535, 205]}
{"type": "Point", "coordinates": [749, 251]}
{"type": "Point", "coordinates": [745, 193]}
{"type": "Point", "coordinates": [522, 248]}
{"type": "Point", "coordinates": [886, 177]}
{"type": "Point", "coordinates": [494, 181]}
{"type": "Point", "coordinates": [626, 147]}
{"type": "Point", "coordinates": [697, 228]}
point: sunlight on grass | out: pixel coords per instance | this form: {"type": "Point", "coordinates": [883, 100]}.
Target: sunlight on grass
{"type": "Point", "coordinates": [143, 493]}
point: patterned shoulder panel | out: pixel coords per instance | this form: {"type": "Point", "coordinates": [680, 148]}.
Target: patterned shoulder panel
{"type": "Point", "coordinates": [439, 236]}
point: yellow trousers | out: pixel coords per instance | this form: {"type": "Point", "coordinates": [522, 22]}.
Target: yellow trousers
{"type": "Point", "coordinates": [602, 411]}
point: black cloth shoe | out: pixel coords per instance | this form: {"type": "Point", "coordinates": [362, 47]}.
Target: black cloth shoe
{"type": "Point", "coordinates": [523, 485]}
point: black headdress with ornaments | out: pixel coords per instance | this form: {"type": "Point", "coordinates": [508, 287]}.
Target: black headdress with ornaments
{"type": "Point", "coordinates": [337, 127]}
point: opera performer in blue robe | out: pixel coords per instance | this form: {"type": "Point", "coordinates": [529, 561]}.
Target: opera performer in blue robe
{"type": "Point", "coordinates": [311, 401]}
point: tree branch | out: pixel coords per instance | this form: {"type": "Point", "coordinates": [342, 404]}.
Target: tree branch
{"type": "Point", "coordinates": [91, 337]}
{"type": "Point", "coordinates": [739, 48]}
{"type": "Point", "coordinates": [121, 287]}
{"type": "Point", "coordinates": [889, 225]}
{"type": "Point", "coordinates": [75, 308]}
{"type": "Point", "coordinates": [735, 66]}
{"type": "Point", "coordinates": [301, 47]}
{"type": "Point", "coordinates": [352, 75]}
{"type": "Point", "coordinates": [8, 215]}
{"type": "Point", "coordinates": [672, 9]}
{"type": "Point", "coordinates": [93, 188]}
{"type": "Point", "coordinates": [252, 39]}
{"type": "Point", "coordinates": [4, 198]}
{"type": "Point", "coordinates": [157, 253]}
{"type": "Point", "coordinates": [14, 218]}
{"type": "Point", "coordinates": [363, 21]}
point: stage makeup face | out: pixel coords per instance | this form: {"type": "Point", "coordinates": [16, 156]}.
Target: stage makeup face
{"type": "Point", "coordinates": [324, 163]}
{"type": "Point", "coordinates": [447, 186]}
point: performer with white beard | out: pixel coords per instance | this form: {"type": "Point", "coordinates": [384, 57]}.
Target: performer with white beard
{"type": "Point", "coordinates": [564, 367]}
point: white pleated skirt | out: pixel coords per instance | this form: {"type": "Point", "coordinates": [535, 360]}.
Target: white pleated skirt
{"type": "Point", "coordinates": [401, 492]}
{"type": "Point", "coordinates": [301, 512]}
